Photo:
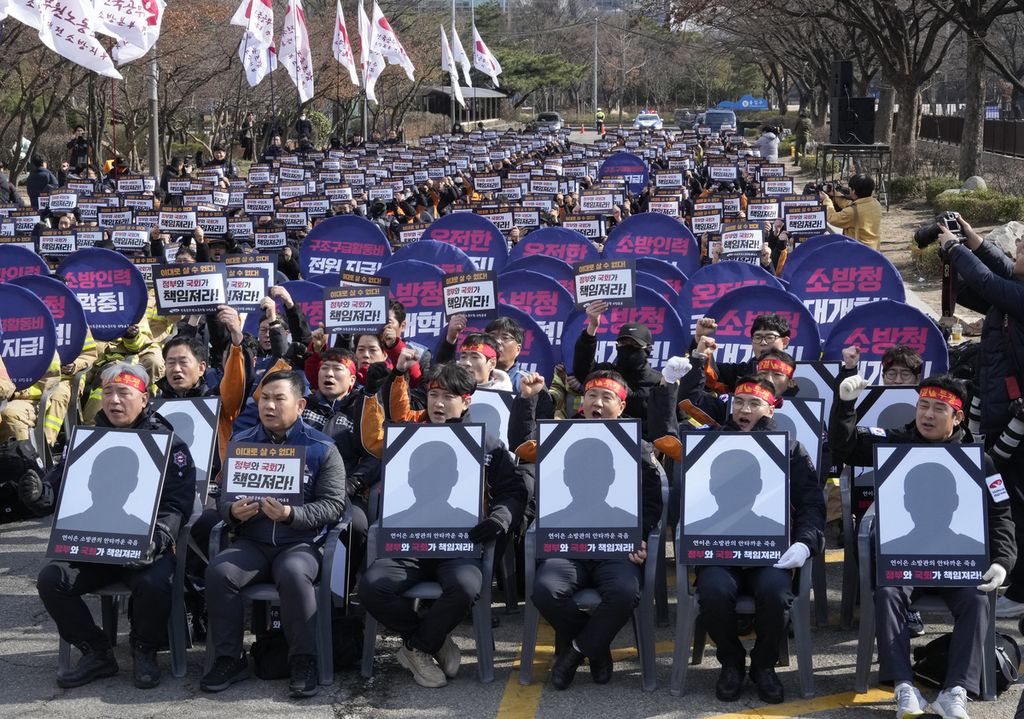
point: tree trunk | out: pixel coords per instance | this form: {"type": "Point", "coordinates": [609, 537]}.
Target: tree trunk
{"type": "Point", "coordinates": [883, 116]}
{"type": "Point", "coordinates": [908, 123]}
{"type": "Point", "coordinates": [972, 142]}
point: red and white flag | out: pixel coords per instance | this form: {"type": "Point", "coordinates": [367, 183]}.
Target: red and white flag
{"type": "Point", "coordinates": [385, 41]}
{"type": "Point", "coordinates": [483, 60]}
{"type": "Point", "coordinates": [294, 50]}
{"type": "Point", "coordinates": [134, 23]}
{"type": "Point", "coordinates": [371, 62]}
{"type": "Point", "coordinates": [448, 65]}
{"type": "Point", "coordinates": [257, 51]}
{"type": "Point", "coordinates": [69, 29]}
{"type": "Point", "coordinates": [342, 46]}
{"type": "Point", "coordinates": [460, 56]}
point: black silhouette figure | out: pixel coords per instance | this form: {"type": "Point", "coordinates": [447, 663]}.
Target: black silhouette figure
{"type": "Point", "coordinates": [897, 415]}
{"type": "Point", "coordinates": [433, 473]}
{"type": "Point", "coordinates": [785, 424]}
{"type": "Point", "coordinates": [735, 484]}
{"type": "Point", "coordinates": [806, 388]}
{"type": "Point", "coordinates": [114, 476]}
{"type": "Point", "coordinates": [185, 428]}
{"type": "Point", "coordinates": [588, 472]}
{"type": "Point", "coordinates": [488, 416]}
{"type": "Point", "coordinates": [930, 497]}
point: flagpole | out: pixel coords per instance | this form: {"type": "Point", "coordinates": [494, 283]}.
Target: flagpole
{"type": "Point", "coordinates": [472, 17]}
{"type": "Point", "coordinates": [453, 76]}
{"type": "Point", "coordinates": [238, 102]}
{"type": "Point", "coordinates": [273, 100]}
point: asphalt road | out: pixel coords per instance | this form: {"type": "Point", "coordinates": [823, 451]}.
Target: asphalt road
{"type": "Point", "coordinates": [28, 646]}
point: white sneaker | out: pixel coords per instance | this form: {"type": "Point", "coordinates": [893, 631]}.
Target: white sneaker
{"type": "Point", "coordinates": [909, 702]}
{"type": "Point", "coordinates": [1006, 608]}
{"type": "Point", "coordinates": [449, 657]}
{"type": "Point", "coordinates": [424, 670]}
{"type": "Point", "coordinates": [951, 704]}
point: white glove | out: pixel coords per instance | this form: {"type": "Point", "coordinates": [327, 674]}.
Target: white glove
{"type": "Point", "coordinates": [994, 578]}
{"type": "Point", "coordinates": [851, 387]}
{"type": "Point", "coordinates": [794, 557]}
{"type": "Point", "coordinates": [675, 368]}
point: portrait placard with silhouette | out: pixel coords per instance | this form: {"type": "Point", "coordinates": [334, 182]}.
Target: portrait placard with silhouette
{"type": "Point", "coordinates": [931, 509]}
{"type": "Point", "coordinates": [817, 380]}
{"type": "Point", "coordinates": [109, 494]}
{"type": "Point", "coordinates": [886, 407]}
{"type": "Point", "coordinates": [194, 420]}
{"type": "Point", "coordinates": [492, 409]}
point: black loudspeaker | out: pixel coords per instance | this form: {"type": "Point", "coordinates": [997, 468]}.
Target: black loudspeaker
{"type": "Point", "coordinates": [852, 121]}
{"type": "Point", "coordinates": [842, 78]}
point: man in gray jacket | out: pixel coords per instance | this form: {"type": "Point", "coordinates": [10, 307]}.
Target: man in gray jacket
{"type": "Point", "coordinates": [276, 542]}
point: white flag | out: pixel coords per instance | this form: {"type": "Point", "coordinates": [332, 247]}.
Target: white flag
{"type": "Point", "coordinates": [384, 41]}
{"type": "Point", "coordinates": [24, 11]}
{"type": "Point", "coordinates": [342, 46]}
{"type": "Point", "coordinates": [448, 65]}
{"type": "Point", "coordinates": [372, 62]}
{"type": "Point", "coordinates": [257, 51]}
{"type": "Point", "coordinates": [3, 9]}
{"type": "Point", "coordinates": [60, 22]}
{"type": "Point", "coordinates": [241, 16]}
{"type": "Point", "coordinates": [460, 56]}
{"type": "Point", "coordinates": [134, 23]}
{"type": "Point", "coordinates": [295, 53]}
{"type": "Point", "coordinates": [483, 60]}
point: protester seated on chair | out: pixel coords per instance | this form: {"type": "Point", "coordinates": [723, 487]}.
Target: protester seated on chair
{"type": "Point", "coordinates": [939, 420]}
{"type": "Point", "coordinates": [580, 635]}
{"type": "Point", "coordinates": [718, 587]}
{"type": "Point", "coordinates": [276, 543]}
{"type": "Point", "coordinates": [428, 650]}
{"type": "Point", "coordinates": [125, 405]}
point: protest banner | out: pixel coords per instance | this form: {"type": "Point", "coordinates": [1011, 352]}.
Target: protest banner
{"type": "Point", "coordinates": [17, 261]}
{"type": "Point", "coordinates": [556, 242]}
{"type": "Point", "coordinates": [440, 254]}
{"type": "Point", "coordinates": [257, 471]}
{"type": "Point", "coordinates": [68, 316]}
{"type": "Point", "coordinates": [477, 236]}
{"type": "Point", "coordinates": [540, 296]}
{"type": "Point", "coordinates": [735, 313]}
{"type": "Point", "coordinates": [742, 242]}
{"type": "Point", "coordinates": [714, 281]}
{"type": "Point", "coordinates": [655, 236]}
{"type": "Point", "coordinates": [189, 289]}
{"type": "Point", "coordinates": [194, 420]}
{"type": "Point", "coordinates": [627, 167]}
{"type": "Point", "coordinates": [417, 286]}
{"type": "Point", "coordinates": [28, 339]}
{"type": "Point", "coordinates": [665, 271]}
{"type": "Point", "coordinates": [804, 249]}
{"type": "Point", "coordinates": [245, 285]}
{"type": "Point", "coordinates": [343, 243]}
{"type": "Point", "coordinates": [474, 294]}
{"type": "Point", "coordinates": [611, 281]}
{"type": "Point", "coordinates": [56, 243]}
{"type": "Point", "coordinates": [109, 287]}
{"type": "Point", "coordinates": [355, 309]}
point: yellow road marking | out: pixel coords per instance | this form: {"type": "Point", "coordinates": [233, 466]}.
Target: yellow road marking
{"type": "Point", "coordinates": [522, 701]}
{"type": "Point", "coordinates": [833, 555]}
{"type": "Point", "coordinates": [804, 707]}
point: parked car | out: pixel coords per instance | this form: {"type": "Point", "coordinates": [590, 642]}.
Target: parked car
{"type": "Point", "coordinates": [647, 121]}
{"type": "Point", "coordinates": [549, 122]}
{"type": "Point", "coordinates": [683, 118]}
{"type": "Point", "coordinates": [717, 120]}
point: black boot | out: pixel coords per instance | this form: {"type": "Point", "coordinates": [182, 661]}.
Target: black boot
{"type": "Point", "coordinates": [730, 683]}
{"type": "Point", "coordinates": [97, 661]}
{"type": "Point", "coordinates": [304, 677]}
{"type": "Point", "coordinates": [564, 669]}
{"type": "Point", "coordinates": [145, 668]}
{"type": "Point", "coordinates": [601, 667]}
{"type": "Point", "coordinates": [769, 688]}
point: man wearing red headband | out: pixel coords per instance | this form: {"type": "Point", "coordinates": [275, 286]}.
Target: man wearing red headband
{"type": "Point", "coordinates": [125, 405]}
{"type": "Point", "coordinates": [428, 650]}
{"type": "Point", "coordinates": [579, 635]}
{"type": "Point", "coordinates": [479, 354]}
{"type": "Point", "coordinates": [753, 405]}
{"type": "Point", "coordinates": [939, 420]}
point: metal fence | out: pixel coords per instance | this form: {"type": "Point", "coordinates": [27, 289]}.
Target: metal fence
{"type": "Point", "coordinates": [1005, 137]}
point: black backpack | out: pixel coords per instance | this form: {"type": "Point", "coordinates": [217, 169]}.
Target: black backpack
{"type": "Point", "coordinates": [16, 458]}
{"type": "Point", "coordinates": [930, 661]}
{"type": "Point", "coordinates": [270, 650]}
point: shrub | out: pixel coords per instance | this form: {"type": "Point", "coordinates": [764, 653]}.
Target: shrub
{"type": "Point", "coordinates": [937, 185]}
{"type": "Point", "coordinates": [903, 188]}
{"type": "Point", "coordinates": [926, 262]}
{"type": "Point", "coordinates": [982, 206]}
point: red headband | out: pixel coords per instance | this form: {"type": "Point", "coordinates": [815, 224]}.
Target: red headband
{"type": "Point", "coordinates": [345, 362]}
{"type": "Point", "coordinates": [756, 390]}
{"type": "Point", "coordinates": [609, 384]}
{"type": "Point", "coordinates": [437, 385]}
{"type": "Point", "coordinates": [774, 365]}
{"type": "Point", "coordinates": [943, 395]}
{"type": "Point", "coordinates": [129, 380]}
{"type": "Point", "coordinates": [484, 349]}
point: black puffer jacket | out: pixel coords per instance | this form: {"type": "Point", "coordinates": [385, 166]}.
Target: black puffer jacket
{"type": "Point", "coordinates": [994, 291]}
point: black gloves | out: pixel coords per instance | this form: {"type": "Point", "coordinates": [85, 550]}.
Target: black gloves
{"type": "Point", "coordinates": [376, 375]}
{"type": "Point", "coordinates": [160, 543]}
{"type": "Point", "coordinates": [356, 484]}
{"type": "Point", "coordinates": [487, 530]}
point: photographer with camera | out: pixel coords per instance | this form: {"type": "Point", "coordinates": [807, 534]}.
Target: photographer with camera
{"type": "Point", "coordinates": [991, 283]}
{"type": "Point", "coordinates": [858, 214]}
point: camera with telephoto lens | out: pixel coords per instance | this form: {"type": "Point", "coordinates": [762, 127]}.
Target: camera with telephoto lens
{"type": "Point", "coordinates": [924, 236]}
{"type": "Point", "coordinates": [813, 188]}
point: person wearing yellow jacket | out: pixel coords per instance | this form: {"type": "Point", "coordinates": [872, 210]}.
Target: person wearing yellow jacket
{"type": "Point", "coordinates": [21, 412]}
{"type": "Point", "coordinates": [138, 341]}
{"type": "Point", "coordinates": [860, 217]}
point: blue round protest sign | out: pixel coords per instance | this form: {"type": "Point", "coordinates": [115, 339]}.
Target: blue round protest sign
{"type": "Point", "coordinates": [652, 235]}
{"type": "Point", "coordinates": [735, 313]}
{"type": "Point", "coordinates": [876, 327]}
{"type": "Point", "coordinates": [68, 315]}
{"type": "Point", "coordinates": [541, 297]}
{"type": "Point", "coordinates": [803, 250]}
{"type": "Point", "coordinates": [17, 261]}
{"type": "Point", "coordinates": [448, 257]}
{"type": "Point", "coordinates": [663, 271]}
{"type": "Point", "coordinates": [556, 269]}
{"type": "Point", "coordinates": [833, 280]}
{"type": "Point", "coordinates": [474, 235]}
{"type": "Point", "coordinates": [663, 288]}
{"type": "Point", "coordinates": [563, 244]}
{"type": "Point", "coordinates": [309, 296]}
{"type": "Point", "coordinates": [417, 285]}
{"type": "Point", "coordinates": [536, 354]}
{"type": "Point", "coordinates": [109, 287]}
{"type": "Point", "coordinates": [627, 166]}
{"type": "Point", "coordinates": [343, 243]}
{"type": "Point", "coordinates": [651, 309]}
{"type": "Point", "coordinates": [712, 282]}
{"type": "Point", "coordinates": [29, 337]}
